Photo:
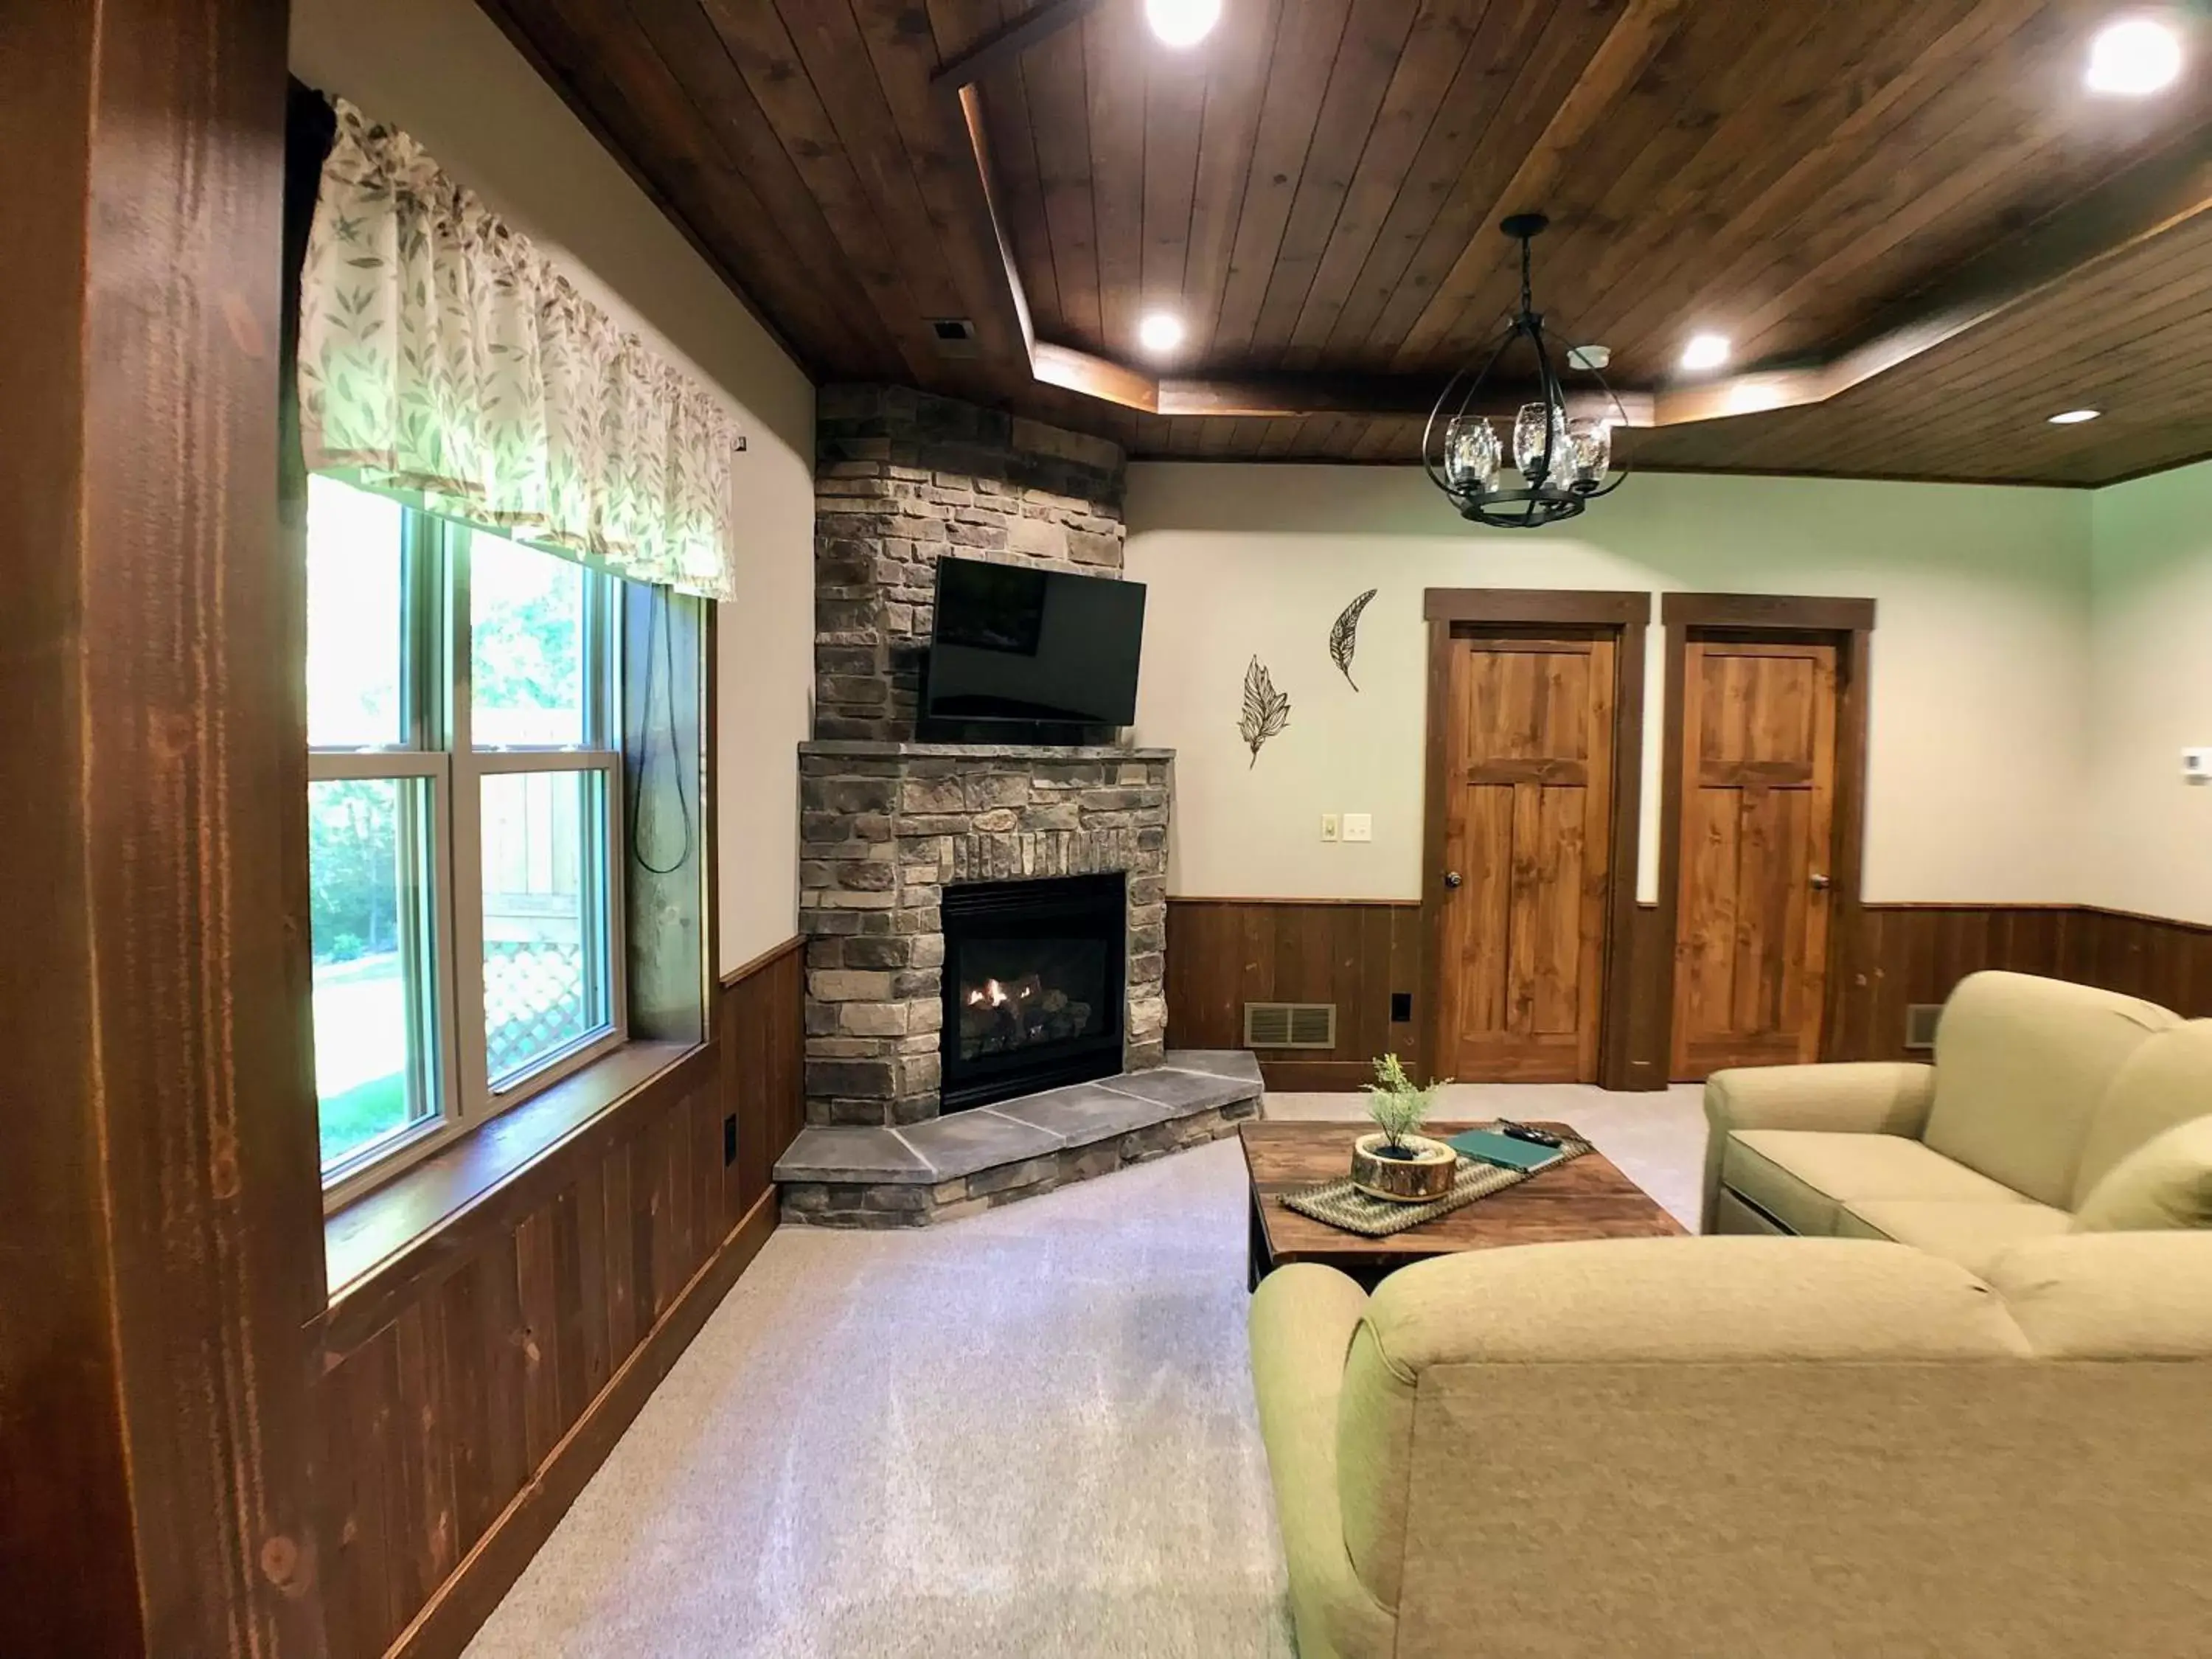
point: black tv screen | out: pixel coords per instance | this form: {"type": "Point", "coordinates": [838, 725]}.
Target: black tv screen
{"type": "Point", "coordinates": [1013, 643]}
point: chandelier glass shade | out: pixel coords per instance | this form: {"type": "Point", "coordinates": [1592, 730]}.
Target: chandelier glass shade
{"type": "Point", "coordinates": [1561, 454]}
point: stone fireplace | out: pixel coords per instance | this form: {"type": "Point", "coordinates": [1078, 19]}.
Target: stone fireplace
{"type": "Point", "coordinates": [892, 831]}
{"type": "Point", "coordinates": [985, 923]}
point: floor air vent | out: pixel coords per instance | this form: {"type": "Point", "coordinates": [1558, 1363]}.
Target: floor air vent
{"type": "Point", "coordinates": [1290, 1026]}
{"type": "Point", "coordinates": [1920, 1019]}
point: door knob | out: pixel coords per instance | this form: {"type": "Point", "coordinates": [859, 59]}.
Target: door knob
{"type": "Point", "coordinates": [1819, 882]}
{"type": "Point", "coordinates": [1451, 877]}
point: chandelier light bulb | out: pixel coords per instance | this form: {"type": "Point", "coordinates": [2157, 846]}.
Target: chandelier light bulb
{"type": "Point", "coordinates": [2134, 58]}
{"type": "Point", "coordinates": [1160, 333]}
{"type": "Point", "coordinates": [1182, 22]}
{"type": "Point", "coordinates": [1705, 351]}
{"type": "Point", "coordinates": [2075, 416]}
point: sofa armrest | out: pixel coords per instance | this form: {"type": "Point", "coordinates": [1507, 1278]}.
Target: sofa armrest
{"type": "Point", "coordinates": [1883, 1097]}
{"type": "Point", "coordinates": [1301, 1323]}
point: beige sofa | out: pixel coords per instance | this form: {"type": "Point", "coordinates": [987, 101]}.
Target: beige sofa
{"type": "Point", "coordinates": [2038, 1091]}
{"type": "Point", "coordinates": [1832, 1446]}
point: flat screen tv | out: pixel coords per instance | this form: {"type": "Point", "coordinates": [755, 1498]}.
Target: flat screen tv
{"type": "Point", "coordinates": [1013, 643]}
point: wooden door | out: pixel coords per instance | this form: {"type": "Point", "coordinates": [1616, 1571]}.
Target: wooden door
{"type": "Point", "coordinates": [1756, 842]}
{"type": "Point", "coordinates": [1527, 815]}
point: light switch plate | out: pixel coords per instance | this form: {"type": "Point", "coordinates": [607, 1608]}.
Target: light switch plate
{"type": "Point", "coordinates": [1358, 826]}
{"type": "Point", "coordinates": [1328, 826]}
{"type": "Point", "coordinates": [2196, 766]}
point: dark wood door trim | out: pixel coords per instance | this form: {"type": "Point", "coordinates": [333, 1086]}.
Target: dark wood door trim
{"type": "Point", "coordinates": [1625, 617]}
{"type": "Point", "coordinates": [1545, 607]}
{"type": "Point", "coordinates": [1849, 624]}
{"type": "Point", "coordinates": [1779, 612]}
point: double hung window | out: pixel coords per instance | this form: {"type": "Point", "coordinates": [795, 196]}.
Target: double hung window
{"type": "Point", "coordinates": [463, 824]}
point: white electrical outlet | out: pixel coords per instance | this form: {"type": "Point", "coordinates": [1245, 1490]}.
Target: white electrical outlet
{"type": "Point", "coordinates": [1358, 826]}
{"type": "Point", "coordinates": [1328, 826]}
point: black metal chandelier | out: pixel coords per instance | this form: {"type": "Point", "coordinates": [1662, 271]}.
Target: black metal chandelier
{"type": "Point", "coordinates": [1563, 456]}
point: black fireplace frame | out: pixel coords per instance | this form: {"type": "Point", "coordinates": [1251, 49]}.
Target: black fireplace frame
{"type": "Point", "coordinates": [1041, 909]}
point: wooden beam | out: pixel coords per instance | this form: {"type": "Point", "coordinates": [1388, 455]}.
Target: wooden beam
{"type": "Point", "coordinates": [966, 103]}
{"type": "Point", "coordinates": [1004, 46]}
{"type": "Point", "coordinates": [1094, 376]}
{"type": "Point", "coordinates": [1269, 396]}
{"type": "Point", "coordinates": [160, 1203]}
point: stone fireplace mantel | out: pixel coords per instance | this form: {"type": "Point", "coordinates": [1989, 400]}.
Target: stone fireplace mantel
{"type": "Point", "coordinates": [887, 826]}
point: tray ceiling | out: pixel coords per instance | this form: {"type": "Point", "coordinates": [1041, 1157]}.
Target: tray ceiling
{"type": "Point", "coordinates": [1908, 215]}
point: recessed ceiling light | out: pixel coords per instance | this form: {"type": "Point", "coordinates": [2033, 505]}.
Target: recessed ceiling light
{"type": "Point", "coordinates": [2075, 417]}
{"type": "Point", "coordinates": [1182, 22]}
{"type": "Point", "coordinates": [1161, 331]}
{"type": "Point", "coordinates": [1705, 351]}
{"type": "Point", "coordinates": [2134, 57]}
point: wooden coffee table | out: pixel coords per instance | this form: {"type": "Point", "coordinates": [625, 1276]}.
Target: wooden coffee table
{"type": "Point", "coordinates": [1588, 1198]}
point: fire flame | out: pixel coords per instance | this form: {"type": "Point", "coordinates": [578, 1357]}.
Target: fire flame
{"type": "Point", "coordinates": [991, 995]}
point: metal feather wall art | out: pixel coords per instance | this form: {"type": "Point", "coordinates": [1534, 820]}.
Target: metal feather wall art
{"type": "Point", "coordinates": [1266, 711]}
{"type": "Point", "coordinates": [1343, 637]}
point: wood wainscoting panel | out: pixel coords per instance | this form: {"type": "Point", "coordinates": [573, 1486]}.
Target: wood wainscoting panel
{"type": "Point", "coordinates": [463, 1417]}
{"type": "Point", "coordinates": [1904, 954]}
{"type": "Point", "coordinates": [2168, 963]}
{"type": "Point", "coordinates": [1226, 952]}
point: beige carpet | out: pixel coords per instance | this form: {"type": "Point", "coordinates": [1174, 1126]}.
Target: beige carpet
{"type": "Point", "coordinates": [1023, 1434]}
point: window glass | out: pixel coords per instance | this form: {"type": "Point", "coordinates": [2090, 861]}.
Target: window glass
{"type": "Point", "coordinates": [376, 996]}
{"type": "Point", "coordinates": [527, 647]}
{"type": "Point", "coordinates": [356, 618]}
{"type": "Point", "coordinates": [545, 910]}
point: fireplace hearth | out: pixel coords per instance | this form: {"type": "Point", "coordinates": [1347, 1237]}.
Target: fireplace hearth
{"type": "Point", "coordinates": [1033, 980]}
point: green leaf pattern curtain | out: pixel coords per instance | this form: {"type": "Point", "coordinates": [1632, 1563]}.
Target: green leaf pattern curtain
{"type": "Point", "coordinates": [444, 360]}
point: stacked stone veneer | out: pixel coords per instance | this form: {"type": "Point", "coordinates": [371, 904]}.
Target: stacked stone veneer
{"type": "Point", "coordinates": [886, 827]}
{"type": "Point", "coordinates": [903, 478]}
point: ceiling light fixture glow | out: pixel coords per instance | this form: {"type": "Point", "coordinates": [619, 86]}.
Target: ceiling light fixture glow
{"type": "Point", "coordinates": [2075, 416]}
{"type": "Point", "coordinates": [1160, 333]}
{"type": "Point", "coordinates": [1182, 22]}
{"type": "Point", "coordinates": [2133, 58]}
{"type": "Point", "coordinates": [1705, 351]}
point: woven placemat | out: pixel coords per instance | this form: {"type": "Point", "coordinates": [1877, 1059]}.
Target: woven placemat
{"type": "Point", "coordinates": [1340, 1204]}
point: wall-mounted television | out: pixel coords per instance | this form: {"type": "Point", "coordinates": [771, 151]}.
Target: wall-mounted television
{"type": "Point", "coordinates": [1014, 643]}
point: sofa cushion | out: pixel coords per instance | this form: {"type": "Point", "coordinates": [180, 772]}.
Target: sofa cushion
{"type": "Point", "coordinates": [1973, 1234]}
{"type": "Point", "coordinates": [1803, 1177]}
{"type": "Point", "coordinates": [2021, 1065]}
{"type": "Point", "coordinates": [2165, 1183]}
{"type": "Point", "coordinates": [2167, 1081]}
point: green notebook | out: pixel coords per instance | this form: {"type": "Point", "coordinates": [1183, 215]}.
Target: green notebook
{"type": "Point", "coordinates": [1504, 1151]}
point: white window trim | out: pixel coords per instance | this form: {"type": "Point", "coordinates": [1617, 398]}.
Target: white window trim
{"type": "Point", "coordinates": [442, 753]}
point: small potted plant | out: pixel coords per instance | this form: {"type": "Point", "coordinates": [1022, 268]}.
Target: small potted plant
{"type": "Point", "coordinates": [1395, 1163]}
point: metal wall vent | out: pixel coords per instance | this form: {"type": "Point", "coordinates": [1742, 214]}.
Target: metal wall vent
{"type": "Point", "coordinates": [1290, 1026]}
{"type": "Point", "coordinates": [955, 336]}
{"type": "Point", "coordinates": [1920, 1019]}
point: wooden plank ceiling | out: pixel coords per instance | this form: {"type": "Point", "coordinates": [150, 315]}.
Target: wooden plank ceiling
{"type": "Point", "coordinates": [1314, 192]}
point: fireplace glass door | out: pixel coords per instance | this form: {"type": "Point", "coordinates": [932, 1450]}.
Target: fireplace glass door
{"type": "Point", "coordinates": [1033, 985]}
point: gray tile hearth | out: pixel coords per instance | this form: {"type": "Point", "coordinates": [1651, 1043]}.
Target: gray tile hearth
{"type": "Point", "coordinates": [836, 1152]}
{"type": "Point", "coordinates": [980, 1139]}
{"type": "Point", "coordinates": [836, 1175]}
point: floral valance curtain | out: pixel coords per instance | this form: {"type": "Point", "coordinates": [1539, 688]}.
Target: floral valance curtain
{"type": "Point", "coordinates": [444, 360]}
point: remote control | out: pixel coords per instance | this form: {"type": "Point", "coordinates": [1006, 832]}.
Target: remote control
{"type": "Point", "coordinates": [1534, 1137]}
